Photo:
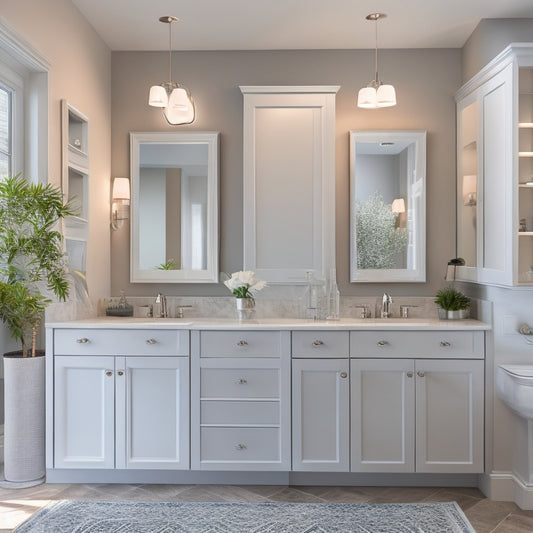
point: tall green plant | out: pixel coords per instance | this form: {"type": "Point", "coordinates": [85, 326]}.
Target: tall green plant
{"type": "Point", "coordinates": [32, 263]}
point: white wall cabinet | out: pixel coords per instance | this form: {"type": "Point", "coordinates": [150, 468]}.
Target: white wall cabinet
{"type": "Point", "coordinates": [494, 171]}
{"type": "Point", "coordinates": [289, 181]}
{"type": "Point", "coordinates": [320, 415]}
{"type": "Point", "coordinates": [423, 415]}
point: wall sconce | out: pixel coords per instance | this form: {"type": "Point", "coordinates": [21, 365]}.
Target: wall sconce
{"type": "Point", "coordinates": [376, 94]}
{"type": "Point", "coordinates": [174, 98]}
{"type": "Point", "coordinates": [398, 206]}
{"type": "Point", "coordinates": [470, 190]}
{"type": "Point", "coordinates": [120, 203]}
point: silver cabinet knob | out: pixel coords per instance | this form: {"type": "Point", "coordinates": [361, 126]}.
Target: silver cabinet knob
{"type": "Point", "coordinates": [410, 374]}
{"type": "Point", "coordinates": [318, 343]}
{"type": "Point", "coordinates": [83, 340]}
{"type": "Point", "coordinates": [240, 447]}
{"type": "Point", "coordinates": [151, 341]}
{"type": "Point", "coordinates": [444, 344]}
{"type": "Point", "coordinates": [344, 375]}
{"type": "Point", "coordinates": [108, 373]}
{"type": "Point", "coordinates": [242, 381]}
{"type": "Point", "coordinates": [120, 372]}
{"type": "Point", "coordinates": [242, 343]}
{"type": "Point", "coordinates": [383, 343]}
{"type": "Point", "coordinates": [420, 374]}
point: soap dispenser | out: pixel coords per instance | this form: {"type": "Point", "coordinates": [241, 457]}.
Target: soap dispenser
{"type": "Point", "coordinates": [333, 297]}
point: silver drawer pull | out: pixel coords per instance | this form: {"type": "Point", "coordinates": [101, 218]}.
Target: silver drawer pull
{"type": "Point", "coordinates": [318, 343]}
{"type": "Point", "coordinates": [242, 343]}
{"type": "Point", "coordinates": [383, 343]}
{"type": "Point", "coordinates": [445, 344]}
{"type": "Point", "coordinates": [344, 375]}
{"type": "Point", "coordinates": [108, 373]}
{"type": "Point", "coordinates": [83, 340]}
{"type": "Point", "coordinates": [420, 374]}
{"type": "Point", "coordinates": [120, 372]}
{"type": "Point", "coordinates": [240, 447]}
{"type": "Point", "coordinates": [409, 374]}
{"type": "Point", "coordinates": [242, 381]}
{"type": "Point", "coordinates": [151, 341]}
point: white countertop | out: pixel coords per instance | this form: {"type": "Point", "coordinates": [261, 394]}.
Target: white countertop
{"type": "Point", "coordinates": [272, 323]}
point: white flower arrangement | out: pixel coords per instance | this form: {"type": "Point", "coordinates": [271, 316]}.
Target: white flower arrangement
{"type": "Point", "coordinates": [243, 284]}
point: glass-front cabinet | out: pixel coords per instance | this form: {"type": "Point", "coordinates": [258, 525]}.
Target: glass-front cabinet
{"type": "Point", "coordinates": [494, 209]}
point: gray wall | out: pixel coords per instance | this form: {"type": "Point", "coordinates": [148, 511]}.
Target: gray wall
{"type": "Point", "coordinates": [489, 38]}
{"type": "Point", "coordinates": [425, 81]}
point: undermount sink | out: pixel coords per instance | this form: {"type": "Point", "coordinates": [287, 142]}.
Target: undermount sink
{"type": "Point", "coordinates": [514, 385]}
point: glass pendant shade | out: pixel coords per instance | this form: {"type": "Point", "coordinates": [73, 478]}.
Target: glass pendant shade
{"type": "Point", "coordinates": [367, 97]}
{"type": "Point", "coordinates": [386, 96]}
{"type": "Point", "coordinates": [158, 96]}
{"type": "Point", "coordinates": [180, 109]}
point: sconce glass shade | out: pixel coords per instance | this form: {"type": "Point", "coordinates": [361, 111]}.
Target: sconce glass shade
{"type": "Point", "coordinates": [158, 96]}
{"type": "Point", "coordinates": [470, 190]}
{"type": "Point", "coordinates": [121, 189]}
{"type": "Point", "coordinates": [398, 206]}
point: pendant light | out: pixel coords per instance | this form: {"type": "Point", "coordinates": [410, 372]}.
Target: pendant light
{"type": "Point", "coordinates": [375, 94]}
{"type": "Point", "coordinates": [174, 98]}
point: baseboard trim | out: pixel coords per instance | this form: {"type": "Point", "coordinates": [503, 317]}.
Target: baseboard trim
{"type": "Point", "coordinates": [507, 487]}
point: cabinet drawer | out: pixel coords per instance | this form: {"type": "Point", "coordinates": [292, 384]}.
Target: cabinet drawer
{"type": "Point", "coordinates": [438, 344]}
{"type": "Point", "coordinates": [240, 344]}
{"type": "Point", "coordinates": [121, 342]}
{"type": "Point", "coordinates": [320, 343]}
{"type": "Point", "coordinates": [227, 412]}
{"type": "Point", "coordinates": [239, 383]}
{"type": "Point", "coordinates": [240, 444]}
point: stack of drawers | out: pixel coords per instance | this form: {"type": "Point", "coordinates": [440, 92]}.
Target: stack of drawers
{"type": "Point", "coordinates": [243, 385]}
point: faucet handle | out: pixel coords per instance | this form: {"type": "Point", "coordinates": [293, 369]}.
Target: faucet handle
{"type": "Point", "coordinates": [365, 311]}
{"type": "Point", "coordinates": [404, 310]}
{"type": "Point", "coordinates": [179, 310]}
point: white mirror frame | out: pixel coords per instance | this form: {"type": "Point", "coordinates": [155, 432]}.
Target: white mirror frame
{"type": "Point", "coordinates": [211, 273]}
{"type": "Point", "coordinates": [416, 217]}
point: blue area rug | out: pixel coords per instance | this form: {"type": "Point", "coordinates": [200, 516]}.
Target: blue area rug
{"type": "Point", "coordinates": [140, 517]}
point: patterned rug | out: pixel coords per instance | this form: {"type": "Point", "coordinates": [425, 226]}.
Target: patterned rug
{"type": "Point", "coordinates": [139, 517]}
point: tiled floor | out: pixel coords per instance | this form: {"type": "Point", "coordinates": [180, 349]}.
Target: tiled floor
{"type": "Point", "coordinates": [486, 516]}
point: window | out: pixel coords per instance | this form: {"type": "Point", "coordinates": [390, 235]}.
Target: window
{"type": "Point", "coordinates": [6, 137]}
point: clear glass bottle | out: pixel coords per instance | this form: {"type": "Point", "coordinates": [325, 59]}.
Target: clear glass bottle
{"type": "Point", "coordinates": [333, 297]}
{"type": "Point", "coordinates": [314, 299]}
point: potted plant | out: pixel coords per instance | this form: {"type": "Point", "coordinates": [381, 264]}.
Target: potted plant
{"type": "Point", "coordinates": [243, 285]}
{"type": "Point", "coordinates": [33, 270]}
{"type": "Point", "coordinates": [453, 302]}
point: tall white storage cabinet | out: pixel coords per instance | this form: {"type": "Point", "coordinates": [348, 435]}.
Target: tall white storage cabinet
{"type": "Point", "coordinates": [289, 146]}
{"type": "Point", "coordinates": [495, 171]}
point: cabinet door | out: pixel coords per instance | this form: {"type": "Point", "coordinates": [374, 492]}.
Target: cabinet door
{"type": "Point", "coordinates": [84, 412]}
{"type": "Point", "coordinates": [320, 414]}
{"type": "Point", "coordinates": [382, 411]}
{"type": "Point", "coordinates": [289, 181]}
{"type": "Point", "coordinates": [449, 416]}
{"type": "Point", "coordinates": [152, 412]}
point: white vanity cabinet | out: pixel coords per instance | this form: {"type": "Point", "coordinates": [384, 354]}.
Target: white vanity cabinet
{"type": "Point", "coordinates": [240, 400]}
{"type": "Point", "coordinates": [419, 414]}
{"type": "Point", "coordinates": [320, 401]}
{"type": "Point", "coordinates": [121, 399]}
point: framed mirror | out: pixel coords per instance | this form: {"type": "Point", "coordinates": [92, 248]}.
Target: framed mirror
{"type": "Point", "coordinates": [174, 207]}
{"type": "Point", "coordinates": [387, 206]}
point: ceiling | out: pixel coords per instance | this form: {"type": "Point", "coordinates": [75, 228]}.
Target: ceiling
{"type": "Point", "coordinates": [292, 24]}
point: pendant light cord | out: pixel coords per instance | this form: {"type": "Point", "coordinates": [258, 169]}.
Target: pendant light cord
{"type": "Point", "coordinates": [376, 56]}
{"type": "Point", "coordinates": [170, 51]}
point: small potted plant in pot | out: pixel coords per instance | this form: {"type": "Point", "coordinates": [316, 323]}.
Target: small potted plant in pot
{"type": "Point", "coordinates": [33, 270]}
{"type": "Point", "coordinates": [453, 302]}
{"type": "Point", "coordinates": [243, 285]}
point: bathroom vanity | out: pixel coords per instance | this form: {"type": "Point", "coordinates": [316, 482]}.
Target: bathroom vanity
{"type": "Point", "coordinates": [183, 401]}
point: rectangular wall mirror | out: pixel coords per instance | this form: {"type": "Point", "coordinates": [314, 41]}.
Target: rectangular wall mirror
{"type": "Point", "coordinates": [387, 206]}
{"type": "Point", "coordinates": [174, 207]}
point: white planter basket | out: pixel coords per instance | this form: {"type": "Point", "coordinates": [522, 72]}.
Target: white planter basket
{"type": "Point", "coordinates": [24, 428]}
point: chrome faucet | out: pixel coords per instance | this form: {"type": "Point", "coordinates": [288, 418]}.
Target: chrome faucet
{"type": "Point", "coordinates": [160, 307]}
{"type": "Point", "coordinates": [386, 306]}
